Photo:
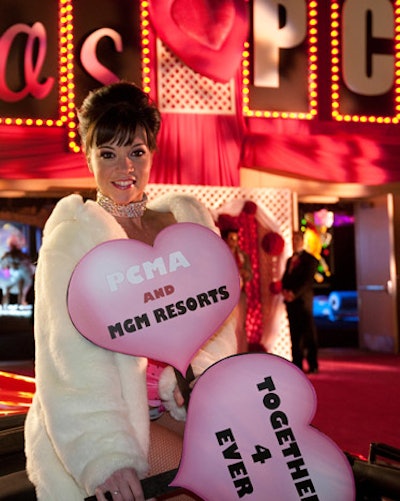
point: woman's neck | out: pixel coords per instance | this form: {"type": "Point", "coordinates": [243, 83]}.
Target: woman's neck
{"type": "Point", "coordinates": [130, 210]}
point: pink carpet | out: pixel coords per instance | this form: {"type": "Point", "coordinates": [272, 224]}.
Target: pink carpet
{"type": "Point", "coordinates": [358, 398]}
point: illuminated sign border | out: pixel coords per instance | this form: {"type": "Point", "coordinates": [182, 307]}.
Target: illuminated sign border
{"type": "Point", "coordinates": [335, 70]}
{"type": "Point", "coordinates": [67, 117]}
{"type": "Point", "coordinates": [312, 11]}
{"type": "Point", "coordinates": [65, 76]}
{"type": "Point", "coordinates": [147, 73]}
{"type": "Point", "coordinates": [66, 71]}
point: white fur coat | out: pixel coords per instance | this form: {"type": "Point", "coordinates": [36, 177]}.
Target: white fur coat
{"type": "Point", "coordinates": [89, 415]}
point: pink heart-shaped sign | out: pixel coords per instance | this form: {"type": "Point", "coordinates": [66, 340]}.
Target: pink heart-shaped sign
{"type": "Point", "coordinates": [248, 436]}
{"type": "Point", "coordinates": [161, 302]}
{"type": "Point", "coordinates": [207, 35]}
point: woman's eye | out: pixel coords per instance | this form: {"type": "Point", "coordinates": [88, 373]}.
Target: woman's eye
{"type": "Point", "coordinates": [138, 153]}
{"type": "Point", "coordinates": [106, 154]}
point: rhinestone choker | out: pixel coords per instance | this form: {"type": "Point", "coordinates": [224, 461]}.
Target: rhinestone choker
{"type": "Point", "coordinates": [133, 209]}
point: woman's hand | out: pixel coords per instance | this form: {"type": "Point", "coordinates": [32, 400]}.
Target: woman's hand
{"type": "Point", "coordinates": [178, 397]}
{"type": "Point", "coordinates": [288, 296]}
{"type": "Point", "coordinates": [179, 400]}
{"type": "Point", "coordinates": [124, 485]}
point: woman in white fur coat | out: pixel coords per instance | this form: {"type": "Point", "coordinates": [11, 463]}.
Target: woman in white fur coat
{"type": "Point", "coordinates": [87, 431]}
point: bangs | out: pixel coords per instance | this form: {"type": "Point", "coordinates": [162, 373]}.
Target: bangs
{"type": "Point", "coordinates": [118, 133]}
{"type": "Point", "coordinates": [118, 125]}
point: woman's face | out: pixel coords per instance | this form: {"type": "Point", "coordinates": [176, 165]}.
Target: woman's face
{"type": "Point", "coordinates": [232, 240]}
{"type": "Point", "coordinates": [122, 172]}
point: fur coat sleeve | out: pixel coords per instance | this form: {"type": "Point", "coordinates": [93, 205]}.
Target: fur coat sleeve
{"type": "Point", "coordinates": [89, 415]}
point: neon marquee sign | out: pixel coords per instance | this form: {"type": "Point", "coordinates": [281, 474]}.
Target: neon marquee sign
{"type": "Point", "coordinates": [292, 66]}
{"type": "Point", "coordinates": [285, 64]}
{"type": "Point", "coordinates": [41, 89]}
{"type": "Point", "coordinates": [35, 84]}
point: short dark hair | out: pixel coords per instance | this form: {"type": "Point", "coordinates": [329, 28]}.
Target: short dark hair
{"type": "Point", "coordinates": [113, 113]}
{"type": "Point", "coordinates": [226, 231]}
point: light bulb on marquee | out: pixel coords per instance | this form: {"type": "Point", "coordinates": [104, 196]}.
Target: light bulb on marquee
{"type": "Point", "coordinates": [312, 30]}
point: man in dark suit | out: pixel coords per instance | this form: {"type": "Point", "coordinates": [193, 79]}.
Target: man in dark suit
{"type": "Point", "coordinates": [298, 294]}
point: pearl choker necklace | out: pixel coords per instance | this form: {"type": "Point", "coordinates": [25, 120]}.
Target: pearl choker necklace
{"type": "Point", "coordinates": [133, 209]}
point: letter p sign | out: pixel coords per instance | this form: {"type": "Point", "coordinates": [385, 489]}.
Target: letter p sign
{"type": "Point", "coordinates": [278, 24]}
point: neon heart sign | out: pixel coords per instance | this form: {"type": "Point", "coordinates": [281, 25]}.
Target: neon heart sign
{"type": "Point", "coordinates": [208, 36]}
{"type": "Point", "coordinates": [162, 301]}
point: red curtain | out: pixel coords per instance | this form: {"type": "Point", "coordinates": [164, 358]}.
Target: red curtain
{"type": "Point", "coordinates": [200, 149]}
{"type": "Point", "coordinates": [334, 152]}
{"type": "Point", "coordinates": [39, 153]}
{"type": "Point", "coordinates": [193, 149]}
{"type": "Point", "coordinates": [209, 149]}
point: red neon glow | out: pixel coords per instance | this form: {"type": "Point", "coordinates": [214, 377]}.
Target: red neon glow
{"type": "Point", "coordinates": [16, 393]}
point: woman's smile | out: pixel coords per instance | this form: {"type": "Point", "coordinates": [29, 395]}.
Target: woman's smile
{"type": "Point", "coordinates": [124, 184]}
